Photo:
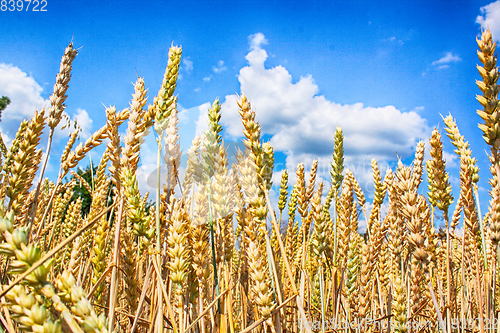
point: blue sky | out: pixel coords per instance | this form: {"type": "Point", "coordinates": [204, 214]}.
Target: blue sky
{"type": "Point", "coordinates": [383, 70]}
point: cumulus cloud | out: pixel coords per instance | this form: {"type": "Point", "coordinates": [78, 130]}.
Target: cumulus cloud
{"type": "Point", "coordinates": [302, 123]}
{"type": "Point", "coordinates": [25, 95]}
{"type": "Point", "coordinates": [448, 58]}
{"type": "Point", "coordinates": [490, 18]}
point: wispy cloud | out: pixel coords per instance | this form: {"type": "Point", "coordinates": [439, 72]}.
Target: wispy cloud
{"type": "Point", "coordinates": [219, 68]}
{"type": "Point", "coordinates": [448, 58]}
{"type": "Point", "coordinates": [216, 69]}
{"type": "Point", "coordinates": [393, 39]}
{"type": "Point", "coordinates": [187, 65]}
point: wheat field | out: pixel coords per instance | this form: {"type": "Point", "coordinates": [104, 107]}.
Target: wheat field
{"type": "Point", "coordinates": [212, 254]}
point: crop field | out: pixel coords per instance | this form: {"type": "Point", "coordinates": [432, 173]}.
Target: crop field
{"type": "Point", "coordinates": [213, 254]}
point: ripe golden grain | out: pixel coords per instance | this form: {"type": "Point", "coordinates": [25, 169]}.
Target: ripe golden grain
{"type": "Point", "coordinates": [320, 266]}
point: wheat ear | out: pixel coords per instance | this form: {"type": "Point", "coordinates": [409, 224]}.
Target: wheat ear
{"type": "Point", "coordinates": [20, 179]}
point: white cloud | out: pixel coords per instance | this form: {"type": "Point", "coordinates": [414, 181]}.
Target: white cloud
{"type": "Point", "coordinates": [451, 159]}
{"type": "Point", "coordinates": [219, 68]}
{"type": "Point", "coordinates": [449, 57]}
{"type": "Point", "coordinates": [257, 55]}
{"type": "Point", "coordinates": [257, 40]}
{"type": "Point", "coordinates": [393, 39]}
{"type": "Point", "coordinates": [182, 114]}
{"type": "Point", "coordinates": [25, 95]}
{"type": "Point", "coordinates": [84, 121]}
{"type": "Point", "coordinates": [202, 122]}
{"type": "Point", "coordinates": [23, 91]}
{"type": "Point", "coordinates": [187, 65]}
{"type": "Point", "coordinates": [419, 109]}
{"type": "Point", "coordinates": [207, 78]}
{"type": "Point", "coordinates": [302, 123]}
{"type": "Point", "coordinates": [490, 18]}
